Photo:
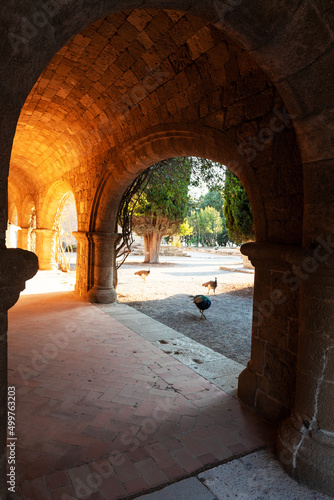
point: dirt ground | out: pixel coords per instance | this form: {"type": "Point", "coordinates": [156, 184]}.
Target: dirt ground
{"type": "Point", "coordinates": [166, 297]}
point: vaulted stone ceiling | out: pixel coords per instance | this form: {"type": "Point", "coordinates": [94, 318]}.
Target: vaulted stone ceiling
{"type": "Point", "coordinates": [119, 76]}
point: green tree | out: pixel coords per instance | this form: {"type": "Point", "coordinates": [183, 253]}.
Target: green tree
{"type": "Point", "coordinates": [162, 207]}
{"type": "Point", "coordinates": [210, 224]}
{"type": "Point", "coordinates": [185, 229]}
{"type": "Point", "coordinates": [213, 199]}
{"type": "Point", "coordinates": [155, 204]}
{"type": "Point", "coordinates": [237, 210]}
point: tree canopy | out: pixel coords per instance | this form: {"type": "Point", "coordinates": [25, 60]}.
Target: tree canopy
{"type": "Point", "coordinates": [162, 207]}
{"type": "Point", "coordinates": [158, 204]}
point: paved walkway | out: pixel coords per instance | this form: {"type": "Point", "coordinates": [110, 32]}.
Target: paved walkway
{"type": "Point", "coordinates": [104, 413]}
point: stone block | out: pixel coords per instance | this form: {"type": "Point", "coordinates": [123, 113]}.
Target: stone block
{"type": "Point", "coordinates": [258, 105]}
{"type": "Point", "coordinates": [181, 31]}
{"type": "Point", "coordinates": [291, 46]}
{"type": "Point", "coordinates": [188, 488]}
{"type": "Point", "coordinates": [139, 19]}
{"type": "Point", "coordinates": [234, 115]}
{"type": "Point", "coordinates": [272, 409]}
{"type": "Point", "coordinates": [258, 355]}
{"type": "Point", "coordinates": [279, 376]}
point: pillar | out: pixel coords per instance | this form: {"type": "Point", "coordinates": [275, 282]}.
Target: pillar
{"type": "Point", "coordinates": [267, 384]}
{"type": "Point", "coordinates": [96, 269]}
{"type": "Point", "coordinates": [45, 249]}
{"type": "Point", "coordinates": [306, 439]}
{"type": "Point", "coordinates": [22, 238]}
{"type": "Point", "coordinates": [16, 266]}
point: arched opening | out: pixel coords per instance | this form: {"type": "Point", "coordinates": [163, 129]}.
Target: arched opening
{"type": "Point", "coordinates": [64, 225]}
{"type": "Point", "coordinates": [165, 294]}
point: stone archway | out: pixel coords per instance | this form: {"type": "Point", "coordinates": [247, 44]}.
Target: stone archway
{"type": "Point", "coordinates": [292, 43]}
{"type": "Point", "coordinates": [266, 385]}
{"type": "Point", "coordinates": [48, 204]}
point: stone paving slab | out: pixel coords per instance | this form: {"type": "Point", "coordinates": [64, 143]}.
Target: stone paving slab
{"type": "Point", "coordinates": [257, 476]}
{"type": "Point", "coordinates": [188, 351]}
{"type": "Point", "coordinates": [146, 327]}
{"type": "Point", "coordinates": [211, 365]}
{"type": "Point", "coordinates": [218, 369]}
{"type": "Point", "coordinates": [187, 489]}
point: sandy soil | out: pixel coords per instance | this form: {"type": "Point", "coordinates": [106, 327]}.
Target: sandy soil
{"type": "Point", "coordinates": [166, 297]}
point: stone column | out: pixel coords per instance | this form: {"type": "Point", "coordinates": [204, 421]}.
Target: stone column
{"type": "Point", "coordinates": [306, 439]}
{"type": "Point", "coordinates": [45, 249]}
{"type": "Point", "coordinates": [16, 266]}
{"type": "Point", "coordinates": [268, 382]}
{"type": "Point", "coordinates": [22, 238]}
{"type": "Point", "coordinates": [96, 258]}
{"type": "Point", "coordinates": [82, 266]}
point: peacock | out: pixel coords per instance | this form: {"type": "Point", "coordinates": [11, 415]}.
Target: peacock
{"type": "Point", "coordinates": [202, 302]}
{"type": "Point", "coordinates": [211, 285]}
{"type": "Point", "coordinates": [143, 274]}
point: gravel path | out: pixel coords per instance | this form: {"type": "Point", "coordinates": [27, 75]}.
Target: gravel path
{"type": "Point", "coordinates": [165, 296]}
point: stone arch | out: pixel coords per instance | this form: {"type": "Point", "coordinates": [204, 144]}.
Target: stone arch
{"type": "Point", "coordinates": [168, 142]}
{"type": "Point", "coordinates": [97, 261]}
{"type": "Point", "coordinates": [268, 33]}
{"type": "Point", "coordinates": [45, 232]}
{"type": "Point", "coordinates": [97, 272]}
{"type": "Point", "coordinates": [27, 211]}
{"type": "Point", "coordinates": [292, 43]}
{"type": "Point", "coordinates": [51, 201]}
{"type": "Point", "coordinates": [28, 205]}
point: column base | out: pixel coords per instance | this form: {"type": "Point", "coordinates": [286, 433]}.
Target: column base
{"type": "Point", "coordinates": [100, 295]}
{"type": "Point", "coordinates": [47, 265]}
{"type": "Point", "coordinates": [247, 387]}
{"type": "Point", "coordinates": [307, 455]}
{"type": "Point", "coordinates": [250, 393]}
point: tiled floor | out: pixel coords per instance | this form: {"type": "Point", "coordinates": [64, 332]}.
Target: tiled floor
{"type": "Point", "coordinates": [103, 413]}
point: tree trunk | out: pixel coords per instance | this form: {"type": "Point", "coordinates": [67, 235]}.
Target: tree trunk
{"type": "Point", "coordinates": [147, 246]}
{"type": "Point", "coordinates": [155, 247]}
{"type": "Point", "coordinates": [152, 243]}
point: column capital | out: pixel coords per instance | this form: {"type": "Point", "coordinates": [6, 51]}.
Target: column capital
{"type": "Point", "coordinates": [45, 231]}
{"type": "Point", "coordinates": [265, 255]}
{"type": "Point", "coordinates": [96, 236]}
{"type": "Point", "coordinates": [318, 257]}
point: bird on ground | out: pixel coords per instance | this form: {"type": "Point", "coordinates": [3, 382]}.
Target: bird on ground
{"type": "Point", "coordinates": [211, 285]}
{"type": "Point", "coordinates": [144, 273]}
{"type": "Point", "coordinates": [202, 302]}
